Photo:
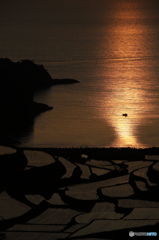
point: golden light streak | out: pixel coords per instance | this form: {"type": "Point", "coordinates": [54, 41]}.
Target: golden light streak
{"type": "Point", "coordinates": [126, 92]}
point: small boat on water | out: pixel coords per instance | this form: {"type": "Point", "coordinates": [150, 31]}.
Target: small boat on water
{"type": "Point", "coordinates": [125, 114]}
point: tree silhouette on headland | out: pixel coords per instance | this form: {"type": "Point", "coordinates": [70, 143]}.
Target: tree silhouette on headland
{"type": "Point", "coordinates": [18, 82]}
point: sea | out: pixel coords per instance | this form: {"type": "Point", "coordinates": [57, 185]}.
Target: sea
{"type": "Point", "coordinates": [111, 47]}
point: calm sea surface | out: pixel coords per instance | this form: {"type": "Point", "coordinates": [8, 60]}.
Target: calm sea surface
{"type": "Point", "coordinates": [111, 47]}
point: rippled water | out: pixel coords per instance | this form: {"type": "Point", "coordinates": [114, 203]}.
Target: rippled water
{"type": "Point", "coordinates": [112, 48]}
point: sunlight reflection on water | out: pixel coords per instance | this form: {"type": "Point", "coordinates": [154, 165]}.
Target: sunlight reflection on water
{"type": "Point", "coordinates": [112, 48]}
{"type": "Point", "coordinates": [127, 93]}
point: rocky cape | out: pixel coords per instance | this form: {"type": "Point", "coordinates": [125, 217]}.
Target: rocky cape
{"type": "Point", "coordinates": [18, 83]}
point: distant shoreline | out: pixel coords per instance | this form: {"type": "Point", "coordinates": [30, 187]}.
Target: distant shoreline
{"type": "Point", "coordinates": [98, 153]}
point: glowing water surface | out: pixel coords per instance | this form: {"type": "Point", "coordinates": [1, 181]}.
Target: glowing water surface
{"type": "Point", "coordinates": [112, 48]}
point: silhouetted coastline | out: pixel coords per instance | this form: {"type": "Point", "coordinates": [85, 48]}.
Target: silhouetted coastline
{"type": "Point", "coordinates": [18, 83]}
{"type": "Point", "coordinates": [99, 153]}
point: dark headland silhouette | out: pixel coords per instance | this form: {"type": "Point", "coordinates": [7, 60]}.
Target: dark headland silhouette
{"type": "Point", "coordinates": [18, 83]}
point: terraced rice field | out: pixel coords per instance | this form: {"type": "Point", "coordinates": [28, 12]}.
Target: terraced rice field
{"type": "Point", "coordinates": [45, 195]}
